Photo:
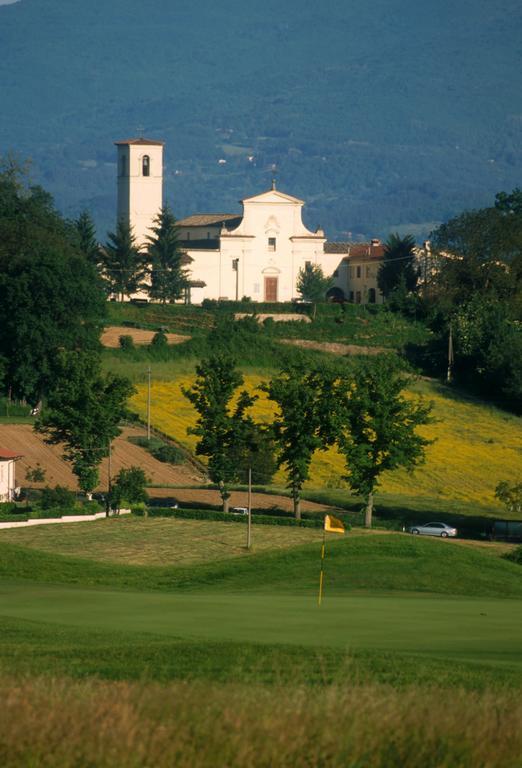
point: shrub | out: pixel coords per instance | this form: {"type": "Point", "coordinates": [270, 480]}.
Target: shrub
{"type": "Point", "coordinates": [207, 514]}
{"type": "Point", "coordinates": [126, 342]}
{"type": "Point", "coordinates": [169, 454]}
{"type": "Point", "coordinates": [57, 498]}
{"type": "Point", "coordinates": [515, 555]}
{"type": "Point", "coordinates": [7, 508]}
{"type": "Point", "coordinates": [159, 340]}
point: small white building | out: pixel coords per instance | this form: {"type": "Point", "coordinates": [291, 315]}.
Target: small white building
{"type": "Point", "coordinates": [7, 474]}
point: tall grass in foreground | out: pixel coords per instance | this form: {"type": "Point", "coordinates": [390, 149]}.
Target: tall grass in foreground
{"type": "Point", "coordinates": [192, 725]}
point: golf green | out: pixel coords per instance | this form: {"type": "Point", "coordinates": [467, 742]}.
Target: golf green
{"type": "Point", "coordinates": [480, 629]}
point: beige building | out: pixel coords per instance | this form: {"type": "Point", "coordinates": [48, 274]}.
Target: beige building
{"type": "Point", "coordinates": [356, 275]}
{"type": "Point", "coordinates": [7, 474]}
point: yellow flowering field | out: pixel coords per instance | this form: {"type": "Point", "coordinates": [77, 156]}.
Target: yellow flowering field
{"type": "Point", "coordinates": [475, 445]}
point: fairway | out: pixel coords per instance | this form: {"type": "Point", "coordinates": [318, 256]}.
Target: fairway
{"type": "Point", "coordinates": [478, 629]}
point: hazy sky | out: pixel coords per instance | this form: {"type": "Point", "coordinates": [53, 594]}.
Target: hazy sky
{"type": "Point", "coordinates": [7, 2]}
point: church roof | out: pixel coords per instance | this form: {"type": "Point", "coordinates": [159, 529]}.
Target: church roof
{"type": "Point", "coordinates": [208, 219]}
{"type": "Point", "coordinates": [144, 142]}
{"type": "Point", "coordinates": [363, 251]}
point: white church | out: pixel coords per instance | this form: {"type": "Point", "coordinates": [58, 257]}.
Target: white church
{"type": "Point", "coordinates": [257, 253]}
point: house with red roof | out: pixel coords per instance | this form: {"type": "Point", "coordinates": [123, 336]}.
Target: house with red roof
{"type": "Point", "coordinates": [8, 460]}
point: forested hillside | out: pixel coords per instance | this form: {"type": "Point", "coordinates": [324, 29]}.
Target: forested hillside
{"type": "Point", "coordinates": [379, 113]}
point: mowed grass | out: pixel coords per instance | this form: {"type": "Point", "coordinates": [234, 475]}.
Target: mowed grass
{"type": "Point", "coordinates": [156, 541]}
{"type": "Point", "coordinates": [414, 657]}
{"type": "Point", "coordinates": [475, 445]}
{"type": "Point", "coordinates": [380, 563]}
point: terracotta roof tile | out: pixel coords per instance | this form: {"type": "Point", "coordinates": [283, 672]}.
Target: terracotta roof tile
{"type": "Point", "coordinates": [5, 455]}
{"type": "Point", "coordinates": [145, 142]}
{"type": "Point", "coordinates": [207, 219]}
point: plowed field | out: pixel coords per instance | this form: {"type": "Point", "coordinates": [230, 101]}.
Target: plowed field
{"type": "Point", "coordinates": [20, 437]}
{"type": "Point", "coordinates": [111, 336]}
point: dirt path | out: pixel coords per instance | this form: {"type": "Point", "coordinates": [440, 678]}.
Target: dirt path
{"type": "Point", "coordinates": [111, 336]}
{"type": "Point", "coordinates": [21, 438]}
{"type": "Point", "coordinates": [335, 348]}
{"type": "Point", "coordinates": [237, 499]}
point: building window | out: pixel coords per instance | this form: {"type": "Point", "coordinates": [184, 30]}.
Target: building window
{"type": "Point", "coordinates": [188, 235]}
{"type": "Point", "coordinates": [208, 235]}
{"type": "Point", "coordinates": [372, 296]}
{"type": "Point", "coordinates": [145, 165]}
{"type": "Point", "coordinates": [351, 272]}
{"type": "Point", "coordinates": [357, 297]}
{"type": "Point", "coordinates": [271, 243]}
{"type": "Point", "coordinates": [308, 264]}
{"type": "Point", "coordinates": [351, 296]}
{"type": "Point", "coordinates": [358, 271]}
{"type": "Point", "coordinates": [368, 272]}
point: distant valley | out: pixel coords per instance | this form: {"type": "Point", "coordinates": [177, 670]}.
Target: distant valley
{"type": "Point", "coordinates": [381, 115]}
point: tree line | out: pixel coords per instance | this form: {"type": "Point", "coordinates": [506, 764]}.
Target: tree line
{"type": "Point", "coordinates": [361, 410]}
{"type": "Point", "coordinates": [158, 269]}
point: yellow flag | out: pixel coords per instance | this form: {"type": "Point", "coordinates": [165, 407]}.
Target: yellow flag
{"type": "Point", "coordinates": [333, 525]}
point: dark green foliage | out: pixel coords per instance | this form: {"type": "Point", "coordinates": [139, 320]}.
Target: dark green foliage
{"type": "Point", "coordinates": [50, 295]}
{"type": "Point", "coordinates": [168, 276]}
{"type": "Point", "coordinates": [83, 412]}
{"type": "Point", "coordinates": [87, 241]}
{"type": "Point", "coordinates": [375, 425]}
{"type": "Point", "coordinates": [35, 474]}
{"type": "Point", "coordinates": [159, 341]}
{"type": "Point", "coordinates": [126, 343]}
{"type": "Point", "coordinates": [312, 284]}
{"type": "Point", "coordinates": [398, 272]}
{"type": "Point", "coordinates": [128, 486]}
{"type": "Point", "coordinates": [166, 452]}
{"type": "Point", "coordinates": [515, 555]}
{"type": "Point", "coordinates": [302, 424]}
{"type": "Point", "coordinates": [257, 453]}
{"type": "Point", "coordinates": [228, 517]}
{"type": "Point", "coordinates": [123, 265]}
{"type": "Point", "coordinates": [221, 428]}
{"type": "Point", "coordinates": [58, 498]}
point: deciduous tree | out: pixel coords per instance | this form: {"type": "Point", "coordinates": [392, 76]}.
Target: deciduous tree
{"type": "Point", "coordinates": [83, 413]}
{"type": "Point", "coordinates": [221, 426]}
{"type": "Point", "coordinates": [376, 427]}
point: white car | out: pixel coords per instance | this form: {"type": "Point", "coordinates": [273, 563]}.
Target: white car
{"type": "Point", "coordinates": [434, 529]}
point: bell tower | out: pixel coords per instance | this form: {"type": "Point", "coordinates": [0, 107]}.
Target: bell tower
{"type": "Point", "coordinates": [140, 184]}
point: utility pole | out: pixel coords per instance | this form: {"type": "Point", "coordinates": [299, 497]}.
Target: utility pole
{"type": "Point", "coordinates": [109, 482]}
{"type": "Point", "coordinates": [451, 357]}
{"type": "Point", "coordinates": [249, 522]}
{"type": "Point", "coordinates": [235, 267]}
{"type": "Point", "coordinates": [148, 403]}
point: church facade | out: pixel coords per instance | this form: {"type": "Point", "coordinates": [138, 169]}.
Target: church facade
{"type": "Point", "coordinates": [256, 254]}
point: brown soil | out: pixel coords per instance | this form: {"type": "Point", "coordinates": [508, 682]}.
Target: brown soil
{"type": "Point", "coordinates": [335, 348]}
{"type": "Point", "coordinates": [21, 438]}
{"type": "Point", "coordinates": [277, 318]}
{"type": "Point", "coordinates": [237, 498]}
{"type": "Point", "coordinates": [111, 336]}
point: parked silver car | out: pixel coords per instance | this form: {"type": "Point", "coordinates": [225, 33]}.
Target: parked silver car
{"type": "Point", "coordinates": [434, 529]}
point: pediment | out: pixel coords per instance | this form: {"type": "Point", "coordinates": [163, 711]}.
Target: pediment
{"type": "Point", "coordinates": [273, 196]}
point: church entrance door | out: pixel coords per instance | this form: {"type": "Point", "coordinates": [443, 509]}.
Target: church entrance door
{"type": "Point", "coordinates": [270, 289]}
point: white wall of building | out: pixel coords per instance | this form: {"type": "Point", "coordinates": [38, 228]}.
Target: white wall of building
{"type": "Point", "coordinates": [140, 196]}
{"type": "Point", "coordinates": [7, 479]}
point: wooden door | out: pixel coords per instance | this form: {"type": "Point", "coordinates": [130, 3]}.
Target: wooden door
{"type": "Point", "coordinates": [270, 289]}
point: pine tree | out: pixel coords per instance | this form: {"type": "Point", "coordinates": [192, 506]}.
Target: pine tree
{"type": "Point", "coordinates": [124, 265]}
{"type": "Point", "coordinates": [168, 277]}
{"type": "Point", "coordinates": [87, 238]}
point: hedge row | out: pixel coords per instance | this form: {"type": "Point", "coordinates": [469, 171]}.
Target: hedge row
{"type": "Point", "coordinates": [207, 514]}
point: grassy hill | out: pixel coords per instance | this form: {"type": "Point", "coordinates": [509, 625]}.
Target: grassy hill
{"type": "Point", "coordinates": [402, 127]}
{"type": "Point", "coordinates": [410, 632]}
